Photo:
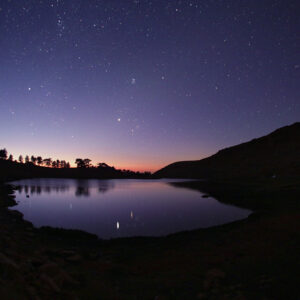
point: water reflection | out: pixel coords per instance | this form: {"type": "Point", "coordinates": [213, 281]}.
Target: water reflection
{"type": "Point", "coordinates": [82, 188]}
{"type": "Point", "coordinates": [82, 191]}
{"type": "Point", "coordinates": [120, 208]}
{"type": "Point", "coordinates": [104, 186]}
{"type": "Point", "coordinates": [39, 189]}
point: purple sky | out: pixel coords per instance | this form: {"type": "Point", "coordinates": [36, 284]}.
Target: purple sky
{"type": "Point", "coordinates": [140, 84]}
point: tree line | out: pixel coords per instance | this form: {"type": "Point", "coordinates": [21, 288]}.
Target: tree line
{"type": "Point", "coordinates": [35, 160]}
{"type": "Point", "coordinates": [86, 163]}
{"type": "Point", "coordinates": [49, 162]}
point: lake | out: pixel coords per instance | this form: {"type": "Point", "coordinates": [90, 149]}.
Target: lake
{"type": "Point", "coordinates": [120, 207]}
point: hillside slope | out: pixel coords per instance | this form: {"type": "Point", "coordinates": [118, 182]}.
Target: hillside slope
{"type": "Point", "coordinates": [275, 155]}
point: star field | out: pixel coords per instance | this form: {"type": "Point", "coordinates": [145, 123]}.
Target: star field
{"type": "Point", "coordinates": [139, 84]}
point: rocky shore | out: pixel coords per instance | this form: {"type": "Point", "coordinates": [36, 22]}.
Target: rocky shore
{"type": "Point", "coordinates": [257, 258]}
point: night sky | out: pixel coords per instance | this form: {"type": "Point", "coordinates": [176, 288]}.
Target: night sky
{"type": "Point", "coordinates": [140, 84]}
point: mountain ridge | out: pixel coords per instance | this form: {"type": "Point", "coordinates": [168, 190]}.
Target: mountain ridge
{"type": "Point", "coordinates": [275, 154]}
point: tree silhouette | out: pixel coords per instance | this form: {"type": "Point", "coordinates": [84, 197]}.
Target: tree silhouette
{"type": "Point", "coordinates": [47, 161]}
{"type": "Point", "coordinates": [3, 153]}
{"type": "Point", "coordinates": [79, 162]}
{"type": "Point", "coordinates": [103, 165]}
{"type": "Point", "coordinates": [57, 163]}
{"type": "Point", "coordinates": [83, 163]}
{"type": "Point", "coordinates": [87, 162]}
{"type": "Point", "coordinates": [26, 159]}
{"type": "Point", "coordinates": [21, 160]}
{"type": "Point", "coordinates": [39, 160]}
{"type": "Point", "coordinates": [11, 158]}
{"type": "Point", "coordinates": [33, 159]}
{"type": "Point", "coordinates": [64, 164]}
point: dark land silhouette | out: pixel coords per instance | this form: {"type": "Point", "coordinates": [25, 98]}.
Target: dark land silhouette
{"type": "Point", "coordinates": [276, 155]}
{"type": "Point", "coordinates": [13, 170]}
{"type": "Point", "coordinates": [255, 258]}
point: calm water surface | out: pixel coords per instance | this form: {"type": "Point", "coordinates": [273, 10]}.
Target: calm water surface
{"type": "Point", "coordinates": [120, 207]}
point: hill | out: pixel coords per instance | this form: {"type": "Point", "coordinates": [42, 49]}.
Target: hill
{"type": "Point", "coordinates": [276, 155]}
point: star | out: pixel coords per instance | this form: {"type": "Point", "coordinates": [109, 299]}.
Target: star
{"type": "Point", "coordinates": [150, 65]}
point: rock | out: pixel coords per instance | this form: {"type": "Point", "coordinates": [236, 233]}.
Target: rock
{"type": "Point", "coordinates": [29, 225]}
{"type": "Point", "coordinates": [73, 258]}
{"type": "Point", "coordinates": [213, 276]}
{"type": "Point", "coordinates": [50, 283]}
{"type": "Point", "coordinates": [32, 293]}
{"type": "Point", "coordinates": [160, 297]}
{"type": "Point", "coordinates": [63, 278]}
{"type": "Point", "coordinates": [36, 262]}
{"type": "Point", "coordinates": [51, 252]}
{"type": "Point", "coordinates": [66, 253]}
{"type": "Point", "coordinates": [205, 196]}
{"type": "Point", "coordinates": [240, 297]}
{"type": "Point", "coordinates": [207, 284]}
{"type": "Point", "coordinates": [16, 214]}
{"type": "Point", "coordinates": [215, 273]}
{"type": "Point", "coordinates": [93, 255]}
{"type": "Point", "coordinates": [7, 261]}
{"type": "Point", "coordinates": [201, 296]}
{"type": "Point", "coordinates": [49, 268]}
{"type": "Point", "coordinates": [30, 234]}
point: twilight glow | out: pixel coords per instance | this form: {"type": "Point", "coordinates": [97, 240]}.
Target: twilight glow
{"type": "Point", "coordinates": [140, 84]}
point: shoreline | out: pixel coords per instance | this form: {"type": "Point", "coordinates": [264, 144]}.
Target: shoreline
{"type": "Point", "coordinates": [169, 181]}
{"type": "Point", "coordinates": [120, 268]}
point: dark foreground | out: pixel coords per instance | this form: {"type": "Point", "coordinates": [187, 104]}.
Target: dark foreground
{"type": "Point", "coordinates": [257, 258]}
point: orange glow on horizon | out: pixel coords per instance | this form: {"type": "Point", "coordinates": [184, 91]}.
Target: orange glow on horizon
{"type": "Point", "coordinates": [136, 164]}
{"type": "Point", "coordinates": [137, 168]}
